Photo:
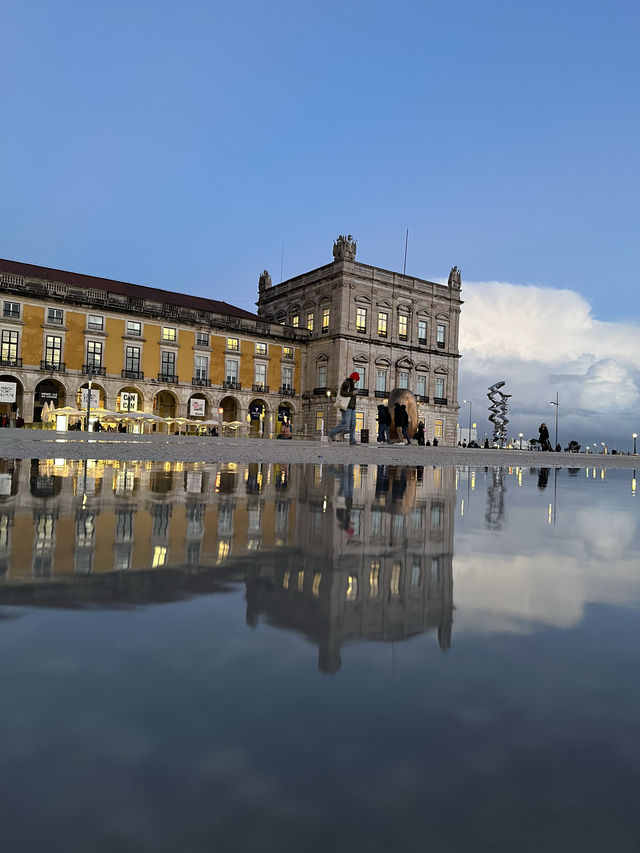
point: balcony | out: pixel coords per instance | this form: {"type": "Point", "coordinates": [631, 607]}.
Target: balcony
{"type": "Point", "coordinates": [58, 366]}
{"type": "Point", "coordinates": [10, 362]}
{"type": "Point", "coordinates": [94, 370]}
{"type": "Point", "coordinates": [320, 392]}
{"type": "Point", "coordinates": [440, 344]}
{"type": "Point", "coordinates": [440, 401]}
{"type": "Point", "coordinates": [362, 392]}
{"type": "Point", "coordinates": [132, 374]}
{"type": "Point", "coordinates": [201, 382]}
{"type": "Point", "coordinates": [381, 394]}
{"type": "Point", "coordinates": [231, 385]}
{"type": "Point", "coordinates": [168, 377]}
{"type": "Point", "coordinates": [287, 391]}
{"type": "Point", "coordinates": [260, 386]}
{"type": "Point", "coordinates": [422, 342]}
{"type": "Point", "coordinates": [422, 398]}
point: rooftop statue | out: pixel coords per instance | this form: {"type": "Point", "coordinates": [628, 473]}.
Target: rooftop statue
{"type": "Point", "coordinates": [455, 278]}
{"type": "Point", "coordinates": [344, 248]}
{"type": "Point", "coordinates": [264, 281]}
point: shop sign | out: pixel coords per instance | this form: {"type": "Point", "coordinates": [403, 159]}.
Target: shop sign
{"type": "Point", "coordinates": [7, 392]}
{"type": "Point", "coordinates": [95, 398]}
{"type": "Point", "coordinates": [128, 401]}
{"type": "Point", "coordinates": [196, 407]}
{"type": "Point", "coordinates": [48, 396]}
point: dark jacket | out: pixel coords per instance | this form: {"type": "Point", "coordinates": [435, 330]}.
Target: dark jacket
{"type": "Point", "coordinates": [348, 389]}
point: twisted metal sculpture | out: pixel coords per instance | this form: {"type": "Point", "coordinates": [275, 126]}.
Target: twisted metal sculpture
{"type": "Point", "coordinates": [498, 409]}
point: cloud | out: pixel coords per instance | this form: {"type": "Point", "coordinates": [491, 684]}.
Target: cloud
{"type": "Point", "coordinates": [543, 341]}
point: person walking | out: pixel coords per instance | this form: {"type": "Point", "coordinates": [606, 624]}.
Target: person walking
{"type": "Point", "coordinates": [545, 443]}
{"type": "Point", "coordinates": [401, 420]}
{"type": "Point", "coordinates": [384, 422]}
{"type": "Point", "coordinates": [348, 422]}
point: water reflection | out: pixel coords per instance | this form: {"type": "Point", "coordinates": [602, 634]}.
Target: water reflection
{"type": "Point", "coordinates": [338, 553]}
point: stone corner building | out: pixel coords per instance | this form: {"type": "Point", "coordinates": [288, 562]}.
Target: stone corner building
{"type": "Point", "coordinates": [393, 329]}
{"type": "Point", "coordinates": [180, 356]}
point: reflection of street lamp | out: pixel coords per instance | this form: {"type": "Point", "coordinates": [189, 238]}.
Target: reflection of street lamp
{"type": "Point", "coordinates": [520, 434]}
{"type": "Point", "coordinates": [220, 411]}
{"type": "Point", "coordinates": [90, 369]}
{"type": "Point", "coordinates": [604, 447]}
{"type": "Point", "coordinates": [595, 447]}
{"type": "Point", "coordinates": [328, 410]}
{"type": "Point", "coordinates": [634, 436]}
{"type": "Point", "coordinates": [469, 436]}
{"type": "Point", "coordinates": [557, 405]}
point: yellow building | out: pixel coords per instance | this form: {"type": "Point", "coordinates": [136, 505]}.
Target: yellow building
{"type": "Point", "coordinates": [143, 349]}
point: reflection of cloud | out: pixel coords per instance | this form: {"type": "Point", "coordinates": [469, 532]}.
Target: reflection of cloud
{"type": "Point", "coordinates": [545, 340]}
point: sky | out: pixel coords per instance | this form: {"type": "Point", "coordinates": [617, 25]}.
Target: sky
{"type": "Point", "coordinates": [189, 146]}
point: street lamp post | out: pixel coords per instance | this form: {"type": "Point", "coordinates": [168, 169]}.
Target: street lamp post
{"type": "Point", "coordinates": [634, 436]}
{"type": "Point", "coordinates": [90, 369]}
{"type": "Point", "coordinates": [469, 433]}
{"type": "Point", "coordinates": [556, 403]}
{"type": "Point", "coordinates": [520, 434]}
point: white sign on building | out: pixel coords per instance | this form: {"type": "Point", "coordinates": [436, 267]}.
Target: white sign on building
{"type": "Point", "coordinates": [95, 398]}
{"type": "Point", "coordinates": [128, 401]}
{"type": "Point", "coordinates": [196, 407]}
{"type": "Point", "coordinates": [7, 392]}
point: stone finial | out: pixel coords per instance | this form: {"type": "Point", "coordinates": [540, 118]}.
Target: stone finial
{"type": "Point", "coordinates": [454, 281]}
{"type": "Point", "coordinates": [344, 248]}
{"type": "Point", "coordinates": [264, 281]}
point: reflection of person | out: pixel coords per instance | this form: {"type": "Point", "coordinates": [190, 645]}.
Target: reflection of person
{"type": "Point", "coordinates": [285, 432]}
{"type": "Point", "coordinates": [545, 444]}
{"type": "Point", "coordinates": [343, 515]}
{"type": "Point", "coordinates": [348, 423]}
{"type": "Point", "coordinates": [543, 478]}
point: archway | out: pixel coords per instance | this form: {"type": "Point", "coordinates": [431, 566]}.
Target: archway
{"type": "Point", "coordinates": [164, 404]}
{"type": "Point", "coordinates": [230, 409]}
{"type": "Point", "coordinates": [98, 396]}
{"type": "Point", "coordinates": [199, 407]}
{"type": "Point", "coordinates": [10, 399]}
{"type": "Point", "coordinates": [285, 415]}
{"type": "Point", "coordinates": [257, 418]}
{"type": "Point", "coordinates": [48, 391]}
{"type": "Point", "coordinates": [130, 399]}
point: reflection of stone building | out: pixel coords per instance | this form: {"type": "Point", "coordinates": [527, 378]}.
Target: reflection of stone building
{"type": "Point", "coordinates": [338, 553]}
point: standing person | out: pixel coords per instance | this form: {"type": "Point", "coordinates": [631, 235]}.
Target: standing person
{"type": "Point", "coordinates": [384, 421]}
{"type": "Point", "coordinates": [401, 417]}
{"type": "Point", "coordinates": [420, 433]}
{"type": "Point", "coordinates": [347, 390]}
{"type": "Point", "coordinates": [545, 444]}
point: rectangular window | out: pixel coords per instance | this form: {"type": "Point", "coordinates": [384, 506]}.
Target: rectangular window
{"type": "Point", "coordinates": [381, 381]}
{"type": "Point", "coordinates": [310, 321]}
{"type": "Point", "coordinates": [260, 373]}
{"type": "Point", "coordinates": [439, 392]}
{"type": "Point", "coordinates": [202, 339]}
{"type": "Point", "coordinates": [94, 353]}
{"type": "Point", "coordinates": [132, 359]}
{"type": "Point", "coordinates": [287, 352]}
{"type": "Point", "coordinates": [261, 349]}
{"type": "Point", "coordinates": [287, 378]}
{"type": "Point", "coordinates": [53, 350]}
{"type": "Point", "coordinates": [383, 323]}
{"type": "Point", "coordinates": [201, 367]}
{"type": "Point", "coordinates": [440, 336]}
{"type": "Point", "coordinates": [422, 332]}
{"type": "Point", "coordinates": [11, 309]}
{"type": "Point", "coordinates": [295, 321]}
{"type": "Point", "coordinates": [9, 348]}
{"type": "Point", "coordinates": [95, 322]}
{"type": "Point", "coordinates": [437, 511]}
{"type": "Point", "coordinates": [403, 379]}
{"type": "Point", "coordinates": [361, 320]}
{"type": "Point", "coordinates": [231, 371]}
{"type": "Point", "coordinates": [439, 428]}
{"type": "Point", "coordinates": [233, 344]}
{"type": "Point", "coordinates": [421, 386]}
{"type": "Point", "coordinates": [319, 420]}
{"type": "Point", "coordinates": [326, 314]}
{"type": "Point", "coordinates": [361, 383]}
{"type": "Point", "coordinates": [322, 376]}
{"type": "Point", "coordinates": [403, 325]}
{"type": "Point", "coordinates": [134, 328]}
{"type": "Point", "coordinates": [168, 363]}
{"type": "Point", "coordinates": [55, 316]}
{"type": "Point", "coordinates": [359, 422]}
{"type": "Point", "coordinates": [169, 333]}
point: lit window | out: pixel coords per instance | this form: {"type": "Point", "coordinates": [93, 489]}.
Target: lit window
{"type": "Point", "coordinates": [94, 353]}
{"type": "Point", "coordinates": [441, 336]}
{"type": "Point", "coordinates": [9, 347]}
{"type": "Point", "coordinates": [394, 585]}
{"type": "Point", "coordinates": [374, 580]}
{"type": "Point", "coordinates": [403, 323]}
{"type": "Point", "coordinates": [319, 421]}
{"type": "Point", "coordinates": [233, 344]}
{"type": "Point", "coordinates": [310, 321]}
{"type": "Point", "coordinates": [159, 556]}
{"type": "Point", "coordinates": [287, 352]}
{"type": "Point", "coordinates": [439, 428]}
{"type": "Point", "coordinates": [361, 320]}
{"type": "Point", "coordinates": [295, 321]}
{"type": "Point", "coordinates": [326, 313]}
{"type": "Point", "coordinates": [359, 421]}
{"type": "Point", "coordinates": [134, 328]}
{"type": "Point", "coordinates": [168, 333]}
{"type": "Point", "coordinates": [383, 323]}
{"type": "Point", "coordinates": [422, 331]}
{"type": "Point", "coordinates": [261, 349]}
{"type": "Point", "coordinates": [55, 316]}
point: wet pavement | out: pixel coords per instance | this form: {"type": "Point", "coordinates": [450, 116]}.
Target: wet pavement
{"type": "Point", "coordinates": [274, 656]}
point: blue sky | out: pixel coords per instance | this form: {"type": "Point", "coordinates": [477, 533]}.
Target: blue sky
{"type": "Point", "coordinates": [183, 145]}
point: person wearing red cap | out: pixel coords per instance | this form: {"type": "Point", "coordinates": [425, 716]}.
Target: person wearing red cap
{"type": "Point", "coordinates": [348, 423]}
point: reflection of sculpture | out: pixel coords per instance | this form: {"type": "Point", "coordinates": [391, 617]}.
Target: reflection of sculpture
{"type": "Point", "coordinates": [454, 281]}
{"type": "Point", "coordinates": [264, 281]}
{"type": "Point", "coordinates": [344, 248]}
{"type": "Point", "coordinates": [498, 409]}
{"type": "Point", "coordinates": [405, 398]}
{"type": "Point", "coordinates": [495, 500]}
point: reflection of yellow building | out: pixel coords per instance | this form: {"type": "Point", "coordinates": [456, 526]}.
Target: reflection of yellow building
{"type": "Point", "coordinates": [339, 554]}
